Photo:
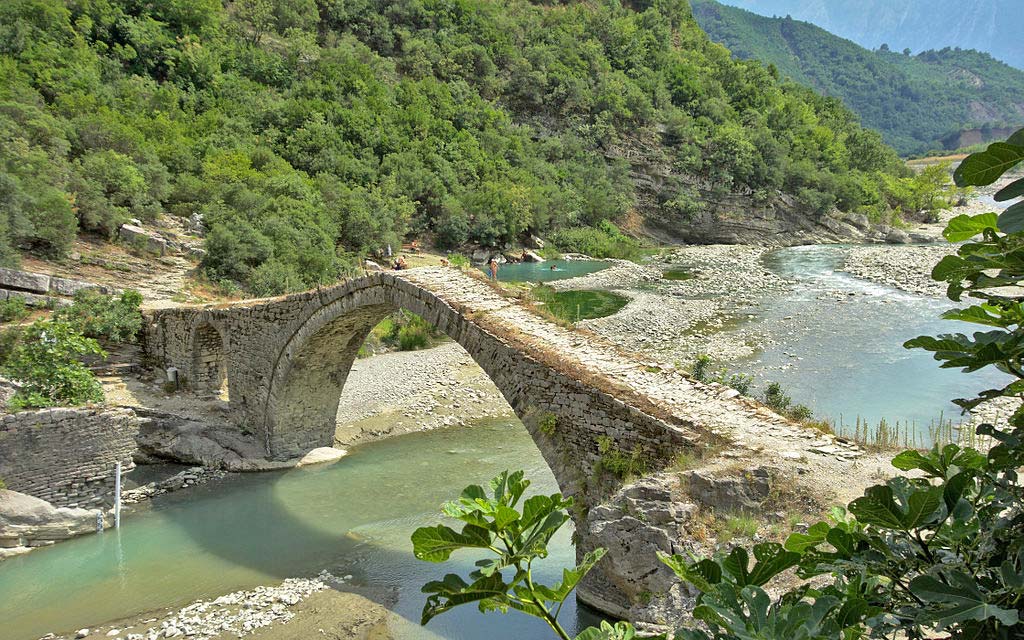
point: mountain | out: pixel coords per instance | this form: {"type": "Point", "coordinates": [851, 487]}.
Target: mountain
{"type": "Point", "coordinates": [932, 100]}
{"type": "Point", "coordinates": [992, 26]}
{"type": "Point", "coordinates": [306, 133]}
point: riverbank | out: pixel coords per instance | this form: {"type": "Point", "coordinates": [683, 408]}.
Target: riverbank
{"type": "Point", "coordinates": [323, 606]}
{"type": "Point", "coordinates": [411, 391]}
{"type": "Point", "coordinates": [673, 320]}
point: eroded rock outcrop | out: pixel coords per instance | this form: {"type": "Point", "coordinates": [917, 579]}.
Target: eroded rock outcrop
{"type": "Point", "coordinates": [27, 522]}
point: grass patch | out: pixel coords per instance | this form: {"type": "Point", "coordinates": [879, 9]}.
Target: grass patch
{"type": "Point", "coordinates": [734, 526]}
{"type": "Point", "coordinates": [616, 462]}
{"type": "Point", "coordinates": [579, 305]}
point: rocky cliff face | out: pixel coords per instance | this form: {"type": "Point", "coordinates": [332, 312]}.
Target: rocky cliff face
{"type": "Point", "coordinates": [733, 217]}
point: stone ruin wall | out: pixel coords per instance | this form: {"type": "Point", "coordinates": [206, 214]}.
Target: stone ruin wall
{"type": "Point", "coordinates": [67, 456]}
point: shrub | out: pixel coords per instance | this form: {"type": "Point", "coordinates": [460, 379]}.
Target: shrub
{"type": "Point", "coordinates": [739, 381]}
{"type": "Point", "coordinates": [47, 362]}
{"type": "Point", "coordinates": [701, 367]}
{"type": "Point", "coordinates": [413, 336]}
{"type": "Point", "coordinates": [103, 317]}
{"type": "Point", "coordinates": [9, 338]}
{"type": "Point", "coordinates": [13, 309]}
{"type": "Point", "coordinates": [548, 424]}
{"type": "Point", "coordinates": [402, 330]}
{"type": "Point", "coordinates": [800, 412]}
{"type": "Point", "coordinates": [776, 398]}
{"type": "Point", "coordinates": [605, 241]}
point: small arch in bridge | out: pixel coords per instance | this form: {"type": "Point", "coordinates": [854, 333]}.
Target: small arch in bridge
{"type": "Point", "coordinates": [209, 362]}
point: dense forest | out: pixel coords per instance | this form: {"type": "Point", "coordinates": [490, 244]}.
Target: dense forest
{"type": "Point", "coordinates": [918, 102]}
{"type": "Point", "coordinates": [307, 132]}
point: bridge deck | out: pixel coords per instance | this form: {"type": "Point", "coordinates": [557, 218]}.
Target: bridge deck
{"type": "Point", "coordinates": [710, 407]}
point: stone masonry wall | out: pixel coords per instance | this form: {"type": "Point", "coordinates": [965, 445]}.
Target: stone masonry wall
{"type": "Point", "coordinates": [67, 456]}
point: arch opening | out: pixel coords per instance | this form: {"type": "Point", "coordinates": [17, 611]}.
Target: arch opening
{"type": "Point", "coordinates": [209, 363]}
{"type": "Point", "coordinates": [309, 379]}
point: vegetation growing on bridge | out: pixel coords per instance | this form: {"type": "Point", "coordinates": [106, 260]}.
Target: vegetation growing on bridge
{"type": "Point", "coordinates": [308, 131]}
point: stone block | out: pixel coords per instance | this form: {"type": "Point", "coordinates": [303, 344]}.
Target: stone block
{"type": "Point", "coordinates": [142, 239]}
{"type": "Point", "coordinates": [68, 287]}
{"type": "Point", "coordinates": [24, 281]}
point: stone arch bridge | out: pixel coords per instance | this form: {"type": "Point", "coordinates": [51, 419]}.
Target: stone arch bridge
{"type": "Point", "coordinates": [284, 362]}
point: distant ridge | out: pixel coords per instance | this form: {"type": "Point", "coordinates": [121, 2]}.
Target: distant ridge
{"type": "Point", "coordinates": [992, 26]}
{"type": "Point", "coordinates": [933, 100]}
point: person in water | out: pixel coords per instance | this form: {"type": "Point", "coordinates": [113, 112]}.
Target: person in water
{"type": "Point", "coordinates": [554, 267]}
{"type": "Point", "coordinates": [492, 267]}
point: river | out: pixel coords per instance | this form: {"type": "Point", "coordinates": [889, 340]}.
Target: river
{"type": "Point", "coordinates": [839, 345]}
{"type": "Point", "coordinates": [352, 518]}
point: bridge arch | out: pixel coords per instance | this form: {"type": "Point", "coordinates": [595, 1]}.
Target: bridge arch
{"type": "Point", "coordinates": [310, 372]}
{"type": "Point", "coordinates": [209, 347]}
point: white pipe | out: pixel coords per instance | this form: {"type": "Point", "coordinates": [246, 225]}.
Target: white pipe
{"type": "Point", "coordinates": [117, 496]}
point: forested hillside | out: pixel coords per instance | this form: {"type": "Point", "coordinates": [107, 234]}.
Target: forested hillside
{"type": "Point", "coordinates": [992, 26]}
{"type": "Point", "coordinates": [918, 102]}
{"type": "Point", "coordinates": [309, 131]}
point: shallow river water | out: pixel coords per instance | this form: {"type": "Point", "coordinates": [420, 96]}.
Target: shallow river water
{"type": "Point", "coordinates": [354, 517]}
{"type": "Point", "coordinates": [840, 345]}
{"type": "Point", "coordinates": [542, 271]}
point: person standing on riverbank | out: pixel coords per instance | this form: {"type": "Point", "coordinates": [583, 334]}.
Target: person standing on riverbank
{"type": "Point", "coordinates": [492, 267]}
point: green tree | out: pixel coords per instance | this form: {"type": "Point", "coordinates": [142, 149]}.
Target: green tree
{"type": "Point", "coordinates": [47, 362]}
{"type": "Point", "coordinates": [109, 190]}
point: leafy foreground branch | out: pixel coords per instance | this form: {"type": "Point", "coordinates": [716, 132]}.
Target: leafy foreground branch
{"type": "Point", "coordinates": [514, 539]}
{"type": "Point", "coordinates": [937, 555]}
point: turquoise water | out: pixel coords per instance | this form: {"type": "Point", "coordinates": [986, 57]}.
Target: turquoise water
{"type": "Point", "coordinates": [353, 517]}
{"type": "Point", "coordinates": [842, 354]}
{"type": "Point", "coordinates": [541, 271]}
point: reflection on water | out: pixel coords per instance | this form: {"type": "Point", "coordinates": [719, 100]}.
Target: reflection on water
{"type": "Point", "coordinates": [840, 345]}
{"type": "Point", "coordinates": [354, 517]}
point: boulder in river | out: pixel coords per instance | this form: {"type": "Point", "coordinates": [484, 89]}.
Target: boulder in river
{"type": "Point", "coordinates": [897, 236]}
